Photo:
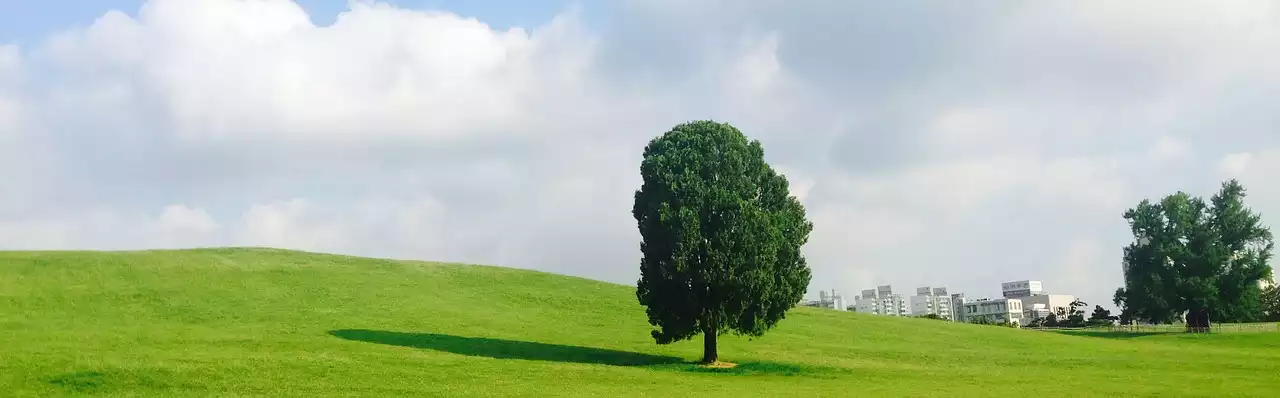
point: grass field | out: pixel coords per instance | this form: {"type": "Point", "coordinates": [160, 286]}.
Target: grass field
{"type": "Point", "coordinates": [280, 323]}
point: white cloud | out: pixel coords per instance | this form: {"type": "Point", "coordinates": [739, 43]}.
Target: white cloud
{"type": "Point", "coordinates": [1085, 261]}
{"type": "Point", "coordinates": [10, 62]}
{"type": "Point", "coordinates": [1258, 172]}
{"type": "Point", "coordinates": [175, 226]}
{"type": "Point", "coordinates": [1236, 163]}
{"type": "Point", "coordinates": [260, 70]}
{"type": "Point", "coordinates": [1169, 148]}
{"type": "Point", "coordinates": [287, 225]}
{"type": "Point", "coordinates": [180, 218]}
{"type": "Point", "coordinates": [932, 145]}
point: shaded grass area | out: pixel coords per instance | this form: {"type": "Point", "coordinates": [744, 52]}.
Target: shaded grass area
{"type": "Point", "coordinates": [262, 322]}
{"type": "Point", "coordinates": [534, 351]}
{"type": "Point", "coordinates": [1110, 335]}
{"type": "Point", "coordinates": [505, 349]}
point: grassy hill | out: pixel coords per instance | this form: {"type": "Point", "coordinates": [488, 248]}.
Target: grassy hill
{"type": "Point", "coordinates": [283, 323]}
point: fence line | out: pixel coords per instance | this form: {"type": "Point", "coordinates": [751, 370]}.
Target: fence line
{"type": "Point", "coordinates": [1260, 327]}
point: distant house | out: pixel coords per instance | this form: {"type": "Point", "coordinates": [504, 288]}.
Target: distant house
{"type": "Point", "coordinates": [1036, 304]}
{"type": "Point", "coordinates": [833, 301]}
{"type": "Point", "coordinates": [1001, 310]}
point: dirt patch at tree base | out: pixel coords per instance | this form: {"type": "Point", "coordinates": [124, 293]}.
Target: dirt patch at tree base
{"type": "Point", "coordinates": [720, 365]}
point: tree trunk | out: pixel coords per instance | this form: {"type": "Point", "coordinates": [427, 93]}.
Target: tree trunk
{"type": "Point", "coordinates": [709, 355]}
{"type": "Point", "coordinates": [1198, 321]}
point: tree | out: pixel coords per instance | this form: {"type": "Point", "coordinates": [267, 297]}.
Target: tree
{"type": "Point", "coordinates": [1051, 321]}
{"type": "Point", "coordinates": [1270, 298]}
{"type": "Point", "coordinates": [721, 236]}
{"type": "Point", "coordinates": [1101, 316]}
{"type": "Point", "coordinates": [1035, 323]}
{"type": "Point", "coordinates": [1075, 318]}
{"type": "Point", "coordinates": [1201, 259]}
{"type": "Point", "coordinates": [1118, 299]}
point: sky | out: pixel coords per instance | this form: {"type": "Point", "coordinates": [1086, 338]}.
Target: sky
{"type": "Point", "coordinates": [932, 143]}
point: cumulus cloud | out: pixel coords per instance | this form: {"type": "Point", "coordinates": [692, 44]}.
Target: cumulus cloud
{"type": "Point", "coordinates": [1258, 171]}
{"type": "Point", "coordinates": [1236, 163]}
{"type": "Point", "coordinates": [933, 145]}
{"type": "Point", "coordinates": [1169, 148]}
{"type": "Point", "coordinates": [182, 219]}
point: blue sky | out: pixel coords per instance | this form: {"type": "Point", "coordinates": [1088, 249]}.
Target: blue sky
{"type": "Point", "coordinates": [932, 143]}
{"type": "Point", "coordinates": [26, 21]}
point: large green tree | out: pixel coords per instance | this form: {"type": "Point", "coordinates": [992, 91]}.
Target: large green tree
{"type": "Point", "coordinates": [721, 236]}
{"type": "Point", "coordinates": [1196, 259]}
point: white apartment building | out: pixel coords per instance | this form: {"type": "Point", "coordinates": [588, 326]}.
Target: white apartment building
{"type": "Point", "coordinates": [994, 310]}
{"type": "Point", "coordinates": [931, 301]}
{"type": "Point", "coordinates": [882, 301]}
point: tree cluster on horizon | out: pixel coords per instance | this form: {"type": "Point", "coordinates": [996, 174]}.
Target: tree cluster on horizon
{"type": "Point", "coordinates": [1195, 260]}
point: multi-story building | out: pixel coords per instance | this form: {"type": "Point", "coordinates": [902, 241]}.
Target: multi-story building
{"type": "Point", "coordinates": [1000, 310]}
{"type": "Point", "coordinates": [882, 301]}
{"type": "Point", "coordinates": [1018, 289]}
{"type": "Point", "coordinates": [931, 301]}
{"type": "Point", "coordinates": [832, 300]}
{"type": "Point", "coordinates": [957, 307]}
{"type": "Point", "coordinates": [1035, 302]}
{"type": "Point", "coordinates": [1035, 311]}
{"type": "Point", "coordinates": [1055, 303]}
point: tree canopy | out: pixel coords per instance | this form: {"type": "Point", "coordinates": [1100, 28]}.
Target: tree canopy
{"type": "Point", "coordinates": [1271, 303]}
{"type": "Point", "coordinates": [721, 236]}
{"type": "Point", "coordinates": [1101, 316]}
{"type": "Point", "coordinates": [1202, 259]}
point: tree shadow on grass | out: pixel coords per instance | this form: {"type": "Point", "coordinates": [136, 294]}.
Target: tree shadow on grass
{"type": "Point", "coordinates": [512, 349]}
{"type": "Point", "coordinates": [505, 349]}
{"type": "Point", "coordinates": [757, 368]}
{"type": "Point", "coordinates": [1112, 335]}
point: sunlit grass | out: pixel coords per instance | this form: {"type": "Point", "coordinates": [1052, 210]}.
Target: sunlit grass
{"type": "Point", "coordinates": [281, 323]}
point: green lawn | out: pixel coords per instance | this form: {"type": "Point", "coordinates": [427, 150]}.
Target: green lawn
{"type": "Point", "coordinates": [281, 323]}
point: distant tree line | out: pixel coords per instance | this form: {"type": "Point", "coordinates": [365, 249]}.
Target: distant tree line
{"type": "Point", "coordinates": [984, 321]}
{"type": "Point", "coordinates": [1073, 317]}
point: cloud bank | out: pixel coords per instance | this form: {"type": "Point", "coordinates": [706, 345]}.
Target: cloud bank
{"type": "Point", "coordinates": [957, 146]}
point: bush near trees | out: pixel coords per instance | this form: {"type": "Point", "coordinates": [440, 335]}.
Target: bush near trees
{"type": "Point", "coordinates": [721, 236]}
{"type": "Point", "coordinates": [1036, 323]}
{"type": "Point", "coordinates": [1075, 314]}
{"type": "Point", "coordinates": [1051, 321]}
{"type": "Point", "coordinates": [1101, 317]}
{"type": "Point", "coordinates": [1202, 259]}
{"type": "Point", "coordinates": [985, 321]}
{"type": "Point", "coordinates": [1271, 303]}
